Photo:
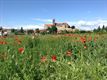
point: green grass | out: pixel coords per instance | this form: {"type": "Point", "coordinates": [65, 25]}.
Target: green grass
{"type": "Point", "coordinates": [84, 64]}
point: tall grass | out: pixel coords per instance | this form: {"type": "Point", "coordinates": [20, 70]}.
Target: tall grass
{"type": "Point", "coordinates": [88, 63]}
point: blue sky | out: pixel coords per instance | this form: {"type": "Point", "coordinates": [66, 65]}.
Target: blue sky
{"type": "Point", "coordinates": [35, 13]}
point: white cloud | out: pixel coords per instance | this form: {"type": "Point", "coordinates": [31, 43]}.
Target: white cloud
{"type": "Point", "coordinates": [43, 20]}
{"type": "Point", "coordinates": [88, 25]}
{"type": "Point", "coordinates": [81, 24]}
{"type": "Point", "coordinates": [28, 26]}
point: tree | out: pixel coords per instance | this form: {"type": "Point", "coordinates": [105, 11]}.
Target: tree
{"type": "Point", "coordinates": [99, 29]}
{"type": "Point", "coordinates": [37, 30]}
{"type": "Point", "coordinates": [73, 27]}
{"type": "Point", "coordinates": [1, 28]}
{"type": "Point", "coordinates": [30, 31]}
{"type": "Point", "coordinates": [13, 30]}
{"type": "Point", "coordinates": [103, 28]}
{"type": "Point", "coordinates": [21, 30]}
{"type": "Point", "coordinates": [106, 28]}
{"type": "Point", "coordinates": [53, 29]}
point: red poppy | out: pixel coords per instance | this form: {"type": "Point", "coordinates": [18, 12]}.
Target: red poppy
{"type": "Point", "coordinates": [0, 42]}
{"type": "Point", "coordinates": [21, 50]}
{"type": "Point", "coordinates": [69, 53]}
{"type": "Point", "coordinates": [19, 42]}
{"type": "Point", "coordinates": [3, 42]}
{"type": "Point", "coordinates": [95, 39]}
{"type": "Point", "coordinates": [4, 36]}
{"type": "Point", "coordinates": [83, 39]}
{"type": "Point", "coordinates": [43, 59]}
{"type": "Point", "coordinates": [53, 58]}
{"type": "Point", "coordinates": [90, 38]}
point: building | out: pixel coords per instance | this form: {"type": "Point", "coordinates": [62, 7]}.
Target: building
{"type": "Point", "coordinates": [60, 26]}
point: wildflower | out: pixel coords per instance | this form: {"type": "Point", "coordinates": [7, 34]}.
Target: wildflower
{"type": "Point", "coordinates": [16, 38]}
{"type": "Point", "coordinates": [43, 59]}
{"type": "Point", "coordinates": [90, 38]}
{"type": "Point", "coordinates": [95, 39]}
{"type": "Point", "coordinates": [3, 42]}
{"type": "Point", "coordinates": [69, 53]}
{"type": "Point", "coordinates": [53, 58]}
{"type": "Point", "coordinates": [83, 39]}
{"type": "Point", "coordinates": [19, 42]}
{"type": "Point", "coordinates": [69, 62]}
{"type": "Point", "coordinates": [85, 47]}
{"type": "Point", "coordinates": [33, 37]}
{"type": "Point", "coordinates": [21, 50]}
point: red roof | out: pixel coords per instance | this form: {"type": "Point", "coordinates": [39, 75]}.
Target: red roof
{"type": "Point", "coordinates": [49, 25]}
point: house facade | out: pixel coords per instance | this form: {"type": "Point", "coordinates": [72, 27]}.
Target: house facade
{"type": "Point", "coordinates": [60, 26]}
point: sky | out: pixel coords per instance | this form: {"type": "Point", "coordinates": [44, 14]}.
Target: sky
{"type": "Point", "coordinates": [84, 14]}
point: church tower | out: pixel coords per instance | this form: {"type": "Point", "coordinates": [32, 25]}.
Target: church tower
{"type": "Point", "coordinates": [53, 21]}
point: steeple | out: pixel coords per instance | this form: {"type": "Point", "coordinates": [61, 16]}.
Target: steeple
{"type": "Point", "coordinates": [53, 21]}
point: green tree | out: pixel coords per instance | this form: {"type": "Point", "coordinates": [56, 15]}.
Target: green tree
{"type": "Point", "coordinates": [73, 27]}
{"type": "Point", "coordinates": [53, 29]}
{"type": "Point", "coordinates": [37, 30]}
{"type": "Point", "coordinates": [99, 29]}
{"type": "Point", "coordinates": [103, 28]}
{"type": "Point", "coordinates": [1, 28]}
{"type": "Point", "coordinates": [106, 28]}
{"type": "Point", "coordinates": [22, 30]}
{"type": "Point", "coordinates": [13, 30]}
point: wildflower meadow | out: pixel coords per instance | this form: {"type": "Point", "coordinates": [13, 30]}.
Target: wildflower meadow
{"type": "Point", "coordinates": [54, 57]}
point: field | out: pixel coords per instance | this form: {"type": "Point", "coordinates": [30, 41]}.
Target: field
{"type": "Point", "coordinates": [54, 57]}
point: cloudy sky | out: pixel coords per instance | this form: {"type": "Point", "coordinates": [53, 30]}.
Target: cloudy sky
{"type": "Point", "coordinates": [84, 14]}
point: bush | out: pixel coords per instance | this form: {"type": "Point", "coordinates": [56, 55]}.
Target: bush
{"type": "Point", "coordinates": [30, 31]}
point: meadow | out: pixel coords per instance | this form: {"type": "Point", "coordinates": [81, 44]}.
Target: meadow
{"type": "Point", "coordinates": [54, 57]}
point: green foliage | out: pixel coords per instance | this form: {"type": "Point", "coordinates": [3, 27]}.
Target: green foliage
{"type": "Point", "coordinates": [30, 31]}
{"type": "Point", "coordinates": [99, 29]}
{"type": "Point", "coordinates": [22, 30]}
{"type": "Point", "coordinates": [1, 28]}
{"type": "Point", "coordinates": [13, 30]}
{"type": "Point", "coordinates": [73, 27]}
{"type": "Point", "coordinates": [37, 30]}
{"type": "Point", "coordinates": [18, 33]}
{"type": "Point", "coordinates": [53, 29]}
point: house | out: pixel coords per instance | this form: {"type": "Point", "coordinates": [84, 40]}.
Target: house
{"type": "Point", "coordinates": [5, 32]}
{"type": "Point", "coordinates": [60, 26]}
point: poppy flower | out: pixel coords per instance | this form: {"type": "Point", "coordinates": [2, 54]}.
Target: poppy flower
{"type": "Point", "coordinates": [3, 42]}
{"type": "Point", "coordinates": [83, 39]}
{"type": "Point", "coordinates": [69, 53]}
{"type": "Point", "coordinates": [19, 42]}
{"type": "Point", "coordinates": [90, 38]}
{"type": "Point", "coordinates": [53, 58]}
{"type": "Point", "coordinates": [21, 50]}
{"type": "Point", "coordinates": [43, 59]}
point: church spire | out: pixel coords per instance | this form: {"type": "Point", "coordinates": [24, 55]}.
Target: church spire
{"type": "Point", "coordinates": [53, 21]}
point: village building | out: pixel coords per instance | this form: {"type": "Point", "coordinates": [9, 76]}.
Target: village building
{"type": "Point", "coordinates": [60, 26]}
{"type": "Point", "coordinates": [4, 32]}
